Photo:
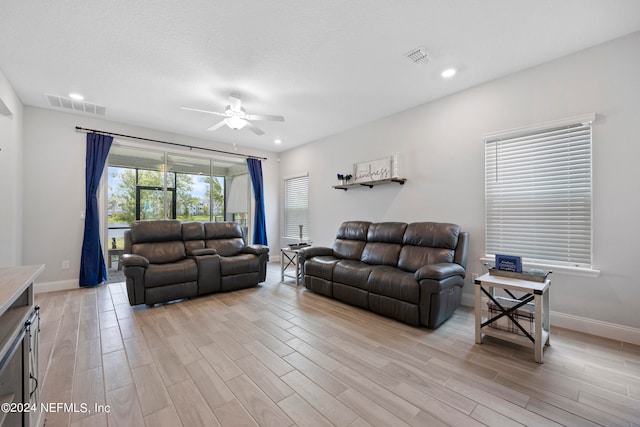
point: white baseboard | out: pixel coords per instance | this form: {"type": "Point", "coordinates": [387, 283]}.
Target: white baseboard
{"type": "Point", "coordinates": [60, 285]}
{"type": "Point", "coordinates": [599, 328]}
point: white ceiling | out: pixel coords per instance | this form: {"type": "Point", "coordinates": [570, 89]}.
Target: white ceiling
{"type": "Point", "coordinates": [326, 65]}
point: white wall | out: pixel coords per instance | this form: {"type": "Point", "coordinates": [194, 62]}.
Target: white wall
{"type": "Point", "coordinates": [442, 153]}
{"type": "Point", "coordinates": [54, 186]}
{"type": "Point", "coordinates": [10, 177]}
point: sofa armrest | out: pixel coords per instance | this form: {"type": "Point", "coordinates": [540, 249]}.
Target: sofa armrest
{"type": "Point", "coordinates": [312, 251]}
{"type": "Point", "coordinates": [439, 271]}
{"type": "Point", "coordinates": [201, 252]}
{"type": "Point", "coordinates": [255, 249]}
{"type": "Point", "coordinates": [132, 260]}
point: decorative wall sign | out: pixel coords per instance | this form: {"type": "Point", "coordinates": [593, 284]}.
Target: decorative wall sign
{"type": "Point", "coordinates": [373, 170]}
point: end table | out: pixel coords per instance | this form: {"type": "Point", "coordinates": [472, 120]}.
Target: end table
{"type": "Point", "coordinates": [538, 292]}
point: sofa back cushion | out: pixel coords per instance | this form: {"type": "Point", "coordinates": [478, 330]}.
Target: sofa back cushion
{"type": "Point", "coordinates": [158, 241]}
{"type": "Point", "coordinates": [224, 237]}
{"type": "Point", "coordinates": [193, 236]}
{"type": "Point", "coordinates": [384, 241]}
{"type": "Point", "coordinates": [428, 243]}
{"type": "Point", "coordinates": [350, 240]}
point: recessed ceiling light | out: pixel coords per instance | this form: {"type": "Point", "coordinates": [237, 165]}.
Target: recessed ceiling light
{"type": "Point", "coordinates": [449, 72]}
{"type": "Point", "coordinates": [76, 96]}
{"type": "Point", "coordinates": [277, 141]}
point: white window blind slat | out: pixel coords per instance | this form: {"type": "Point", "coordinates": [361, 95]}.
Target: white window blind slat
{"type": "Point", "coordinates": [538, 190]}
{"type": "Point", "coordinates": [296, 207]}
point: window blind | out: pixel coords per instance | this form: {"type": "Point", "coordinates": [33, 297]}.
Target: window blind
{"type": "Point", "coordinates": [296, 207]}
{"type": "Point", "coordinates": [538, 194]}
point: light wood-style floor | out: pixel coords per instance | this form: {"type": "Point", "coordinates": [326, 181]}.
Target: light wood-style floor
{"type": "Point", "coordinates": [279, 355]}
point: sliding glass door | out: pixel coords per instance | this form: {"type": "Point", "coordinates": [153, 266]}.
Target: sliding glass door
{"type": "Point", "coordinates": [145, 184]}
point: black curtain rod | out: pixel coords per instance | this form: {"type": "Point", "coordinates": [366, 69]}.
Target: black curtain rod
{"type": "Point", "coordinates": [169, 143]}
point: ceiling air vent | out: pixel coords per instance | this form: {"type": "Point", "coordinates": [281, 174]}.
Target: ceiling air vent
{"type": "Point", "coordinates": [75, 105]}
{"type": "Point", "coordinates": [418, 55]}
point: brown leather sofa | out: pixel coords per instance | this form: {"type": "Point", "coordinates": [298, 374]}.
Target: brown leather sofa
{"type": "Point", "coordinates": [168, 260]}
{"type": "Point", "coordinates": [410, 272]}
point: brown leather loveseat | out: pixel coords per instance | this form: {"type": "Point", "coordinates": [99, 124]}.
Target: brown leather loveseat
{"type": "Point", "coordinates": [410, 272]}
{"type": "Point", "coordinates": [168, 260]}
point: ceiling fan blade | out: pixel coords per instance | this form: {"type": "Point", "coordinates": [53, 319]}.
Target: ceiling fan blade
{"type": "Point", "coordinates": [217, 125]}
{"type": "Point", "coordinates": [253, 128]}
{"type": "Point", "coordinates": [205, 111]}
{"type": "Point", "coordinates": [265, 117]}
{"type": "Point", "coordinates": [235, 103]}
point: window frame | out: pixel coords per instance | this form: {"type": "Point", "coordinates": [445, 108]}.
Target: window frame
{"type": "Point", "coordinates": [285, 210]}
{"type": "Point", "coordinates": [491, 142]}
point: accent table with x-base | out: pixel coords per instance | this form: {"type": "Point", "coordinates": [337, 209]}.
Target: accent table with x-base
{"type": "Point", "coordinates": [538, 292]}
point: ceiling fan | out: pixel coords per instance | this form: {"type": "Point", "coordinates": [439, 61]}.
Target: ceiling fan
{"type": "Point", "coordinates": [236, 117]}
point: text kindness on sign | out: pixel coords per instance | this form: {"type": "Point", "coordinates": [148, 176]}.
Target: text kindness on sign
{"type": "Point", "coordinates": [372, 171]}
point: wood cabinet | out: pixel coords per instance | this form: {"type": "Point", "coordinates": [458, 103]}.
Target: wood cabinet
{"type": "Point", "coordinates": [19, 338]}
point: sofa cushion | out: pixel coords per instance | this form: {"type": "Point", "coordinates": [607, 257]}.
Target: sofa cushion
{"type": "Point", "coordinates": [352, 273]}
{"type": "Point", "coordinates": [432, 234]}
{"type": "Point", "coordinates": [386, 232]}
{"type": "Point", "coordinates": [428, 243]}
{"type": "Point", "coordinates": [321, 266]}
{"type": "Point", "coordinates": [155, 231]}
{"type": "Point", "coordinates": [183, 271]}
{"type": "Point", "coordinates": [239, 264]}
{"type": "Point", "coordinates": [192, 231]}
{"type": "Point", "coordinates": [381, 253]}
{"type": "Point", "coordinates": [384, 241]}
{"type": "Point", "coordinates": [160, 252]}
{"type": "Point", "coordinates": [224, 237]}
{"type": "Point", "coordinates": [394, 283]}
{"type": "Point", "coordinates": [351, 239]}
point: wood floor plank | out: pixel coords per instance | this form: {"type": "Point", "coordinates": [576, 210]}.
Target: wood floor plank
{"type": "Point", "coordinates": [270, 359]}
{"type": "Point", "coordinates": [315, 373]}
{"type": "Point", "coordinates": [379, 395]}
{"type": "Point", "coordinates": [190, 406]}
{"type": "Point", "coordinates": [261, 408]}
{"type": "Point", "coordinates": [137, 351]}
{"type": "Point", "coordinates": [302, 413]}
{"type": "Point", "coordinates": [124, 408]}
{"type": "Point", "coordinates": [212, 388]}
{"type": "Point", "coordinates": [116, 370]}
{"type": "Point", "coordinates": [88, 390]}
{"type": "Point", "coordinates": [439, 409]}
{"type": "Point", "coordinates": [111, 339]}
{"type": "Point", "coordinates": [515, 412]}
{"type": "Point", "coordinates": [169, 365]}
{"type": "Point", "coordinates": [566, 404]}
{"type": "Point", "coordinates": [492, 418]}
{"type": "Point", "coordinates": [369, 410]}
{"type": "Point", "coordinates": [233, 414]}
{"type": "Point", "coordinates": [264, 378]}
{"type": "Point", "coordinates": [322, 401]}
{"type": "Point", "coordinates": [151, 391]}
{"type": "Point", "coordinates": [220, 362]}
{"type": "Point", "coordinates": [167, 417]}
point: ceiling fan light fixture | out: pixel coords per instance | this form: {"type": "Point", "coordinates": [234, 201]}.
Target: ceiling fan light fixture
{"type": "Point", "coordinates": [235, 122]}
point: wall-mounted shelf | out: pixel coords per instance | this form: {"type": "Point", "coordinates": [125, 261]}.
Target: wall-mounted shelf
{"type": "Point", "coordinates": [370, 184]}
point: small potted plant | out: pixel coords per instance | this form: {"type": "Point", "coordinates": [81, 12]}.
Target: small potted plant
{"type": "Point", "coordinates": [344, 179]}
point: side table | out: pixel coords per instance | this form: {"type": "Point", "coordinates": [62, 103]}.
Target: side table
{"type": "Point", "coordinates": [289, 261]}
{"type": "Point", "coordinates": [538, 292]}
{"type": "Point", "coordinates": [114, 252]}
